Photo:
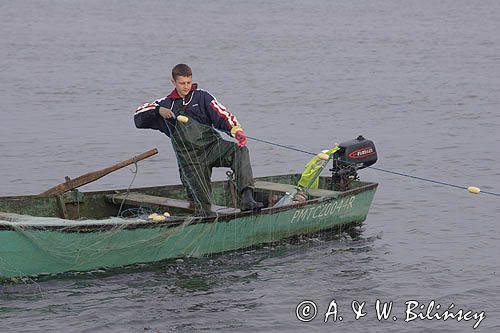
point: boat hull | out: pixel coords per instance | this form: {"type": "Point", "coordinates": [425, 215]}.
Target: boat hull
{"type": "Point", "coordinates": [34, 246]}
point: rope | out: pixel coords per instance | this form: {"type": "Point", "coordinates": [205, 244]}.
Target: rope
{"type": "Point", "coordinates": [419, 178]}
{"type": "Point", "coordinates": [380, 169]}
{"type": "Point", "coordinates": [129, 187]}
{"type": "Point", "coordinates": [279, 145]}
{"type": "Point", "coordinates": [430, 180]}
{"type": "Point", "coordinates": [374, 168]}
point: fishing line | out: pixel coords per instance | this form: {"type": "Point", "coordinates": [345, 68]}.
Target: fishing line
{"type": "Point", "coordinates": [430, 180]}
{"type": "Point", "coordinates": [384, 170]}
{"type": "Point", "coordinates": [391, 172]}
{"type": "Point", "coordinates": [470, 189]}
{"type": "Point", "coordinates": [279, 145]}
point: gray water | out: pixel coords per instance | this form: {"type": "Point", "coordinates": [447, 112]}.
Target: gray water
{"type": "Point", "coordinates": [420, 78]}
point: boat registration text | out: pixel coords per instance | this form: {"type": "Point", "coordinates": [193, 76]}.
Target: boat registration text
{"type": "Point", "coordinates": [324, 210]}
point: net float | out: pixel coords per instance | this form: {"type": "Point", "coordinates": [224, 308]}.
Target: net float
{"type": "Point", "coordinates": [323, 156]}
{"type": "Point", "coordinates": [474, 189]}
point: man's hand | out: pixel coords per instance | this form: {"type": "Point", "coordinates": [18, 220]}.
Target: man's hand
{"type": "Point", "coordinates": [166, 113]}
{"type": "Point", "coordinates": [241, 137]}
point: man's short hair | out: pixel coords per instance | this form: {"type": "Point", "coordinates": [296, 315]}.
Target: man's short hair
{"type": "Point", "coordinates": [181, 70]}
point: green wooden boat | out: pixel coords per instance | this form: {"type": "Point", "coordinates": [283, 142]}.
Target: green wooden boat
{"type": "Point", "coordinates": [65, 230]}
{"type": "Point", "coordinates": [77, 231]}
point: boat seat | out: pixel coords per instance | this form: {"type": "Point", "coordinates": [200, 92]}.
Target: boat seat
{"type": "Point", "coordinates": [141, 199]}
{"type": "Point", "coordinates": [279, 187]}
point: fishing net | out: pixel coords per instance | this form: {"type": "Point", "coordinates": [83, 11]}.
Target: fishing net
{"type": "Point", "coordinates": [37, 245]}
{"type": "Point", "coordinates": [31, 245]}
{"type": "Point", "coordinates": [198, 149]}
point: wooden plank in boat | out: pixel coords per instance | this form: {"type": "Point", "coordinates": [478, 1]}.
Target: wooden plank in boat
{"type": "Point", "coordinates": [140, 199]}
{"type": "Point", "coordinates": [278, 187]}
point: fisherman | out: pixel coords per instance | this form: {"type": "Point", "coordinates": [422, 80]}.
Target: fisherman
{"type": "Point", "coordinates": [197, 145]}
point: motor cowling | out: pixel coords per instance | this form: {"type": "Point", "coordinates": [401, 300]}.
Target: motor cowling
{"type": "Point", "coordinates": [353, 155]}
{"type": "Point", "coordinates": [359, 152]}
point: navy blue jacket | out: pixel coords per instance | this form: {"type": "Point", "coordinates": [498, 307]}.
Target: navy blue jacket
{"type": "Point", "coordinates": [198, 105]}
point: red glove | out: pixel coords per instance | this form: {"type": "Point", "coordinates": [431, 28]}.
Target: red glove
{"type": "Point", "coordinates": [241, 137]}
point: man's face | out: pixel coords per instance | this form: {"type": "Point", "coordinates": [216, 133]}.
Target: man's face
{"type": "Point", "coordinates": [183, 85]}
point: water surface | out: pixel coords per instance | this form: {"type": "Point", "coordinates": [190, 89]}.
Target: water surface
{"type": "Point", "coordinates": [421, 79]}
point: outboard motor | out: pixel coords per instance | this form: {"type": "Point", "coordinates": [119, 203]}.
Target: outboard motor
{"type": "Point", "coordinates": [352, 156]}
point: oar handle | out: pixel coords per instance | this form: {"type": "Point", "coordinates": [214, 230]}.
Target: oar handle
{"type": "Point", "coordinates": [71, 184]}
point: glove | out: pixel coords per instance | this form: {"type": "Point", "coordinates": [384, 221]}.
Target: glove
{"type": "Point", "coordinates": [241, 137]}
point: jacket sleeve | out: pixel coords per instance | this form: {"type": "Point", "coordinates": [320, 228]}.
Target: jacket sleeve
{"type": "Point", "coordinates": [219, 117]}
{"type": "Point", "coordinates": [147, 116]}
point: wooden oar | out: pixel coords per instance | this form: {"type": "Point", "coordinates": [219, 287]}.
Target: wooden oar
{"type": "Point", "coordinates": [71, 184]}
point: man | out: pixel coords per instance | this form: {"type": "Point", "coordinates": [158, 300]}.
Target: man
{"type": "Point", "coordinates": [197, 145]}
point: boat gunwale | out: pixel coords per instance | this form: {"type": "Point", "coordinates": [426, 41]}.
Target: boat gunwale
{"type": "Point", "coordinates": [81, 227]}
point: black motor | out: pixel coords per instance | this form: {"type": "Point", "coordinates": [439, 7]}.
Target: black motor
{"type": "Point", "coordinates": [353, 155]}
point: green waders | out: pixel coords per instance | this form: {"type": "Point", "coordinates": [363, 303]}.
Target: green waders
{"type": "Point", "coordinates": [199, 148]}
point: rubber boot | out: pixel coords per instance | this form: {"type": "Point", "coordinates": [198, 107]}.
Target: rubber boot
{"type": "Point", "coordinates": [248, 202]}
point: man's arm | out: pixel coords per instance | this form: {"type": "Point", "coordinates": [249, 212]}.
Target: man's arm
{"type": "Point", "coordinates": [148, 115]}
{"type": "Point", "coordinates": [219, 116]}
{"type": "Point", "coordinates": [223, 119]}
